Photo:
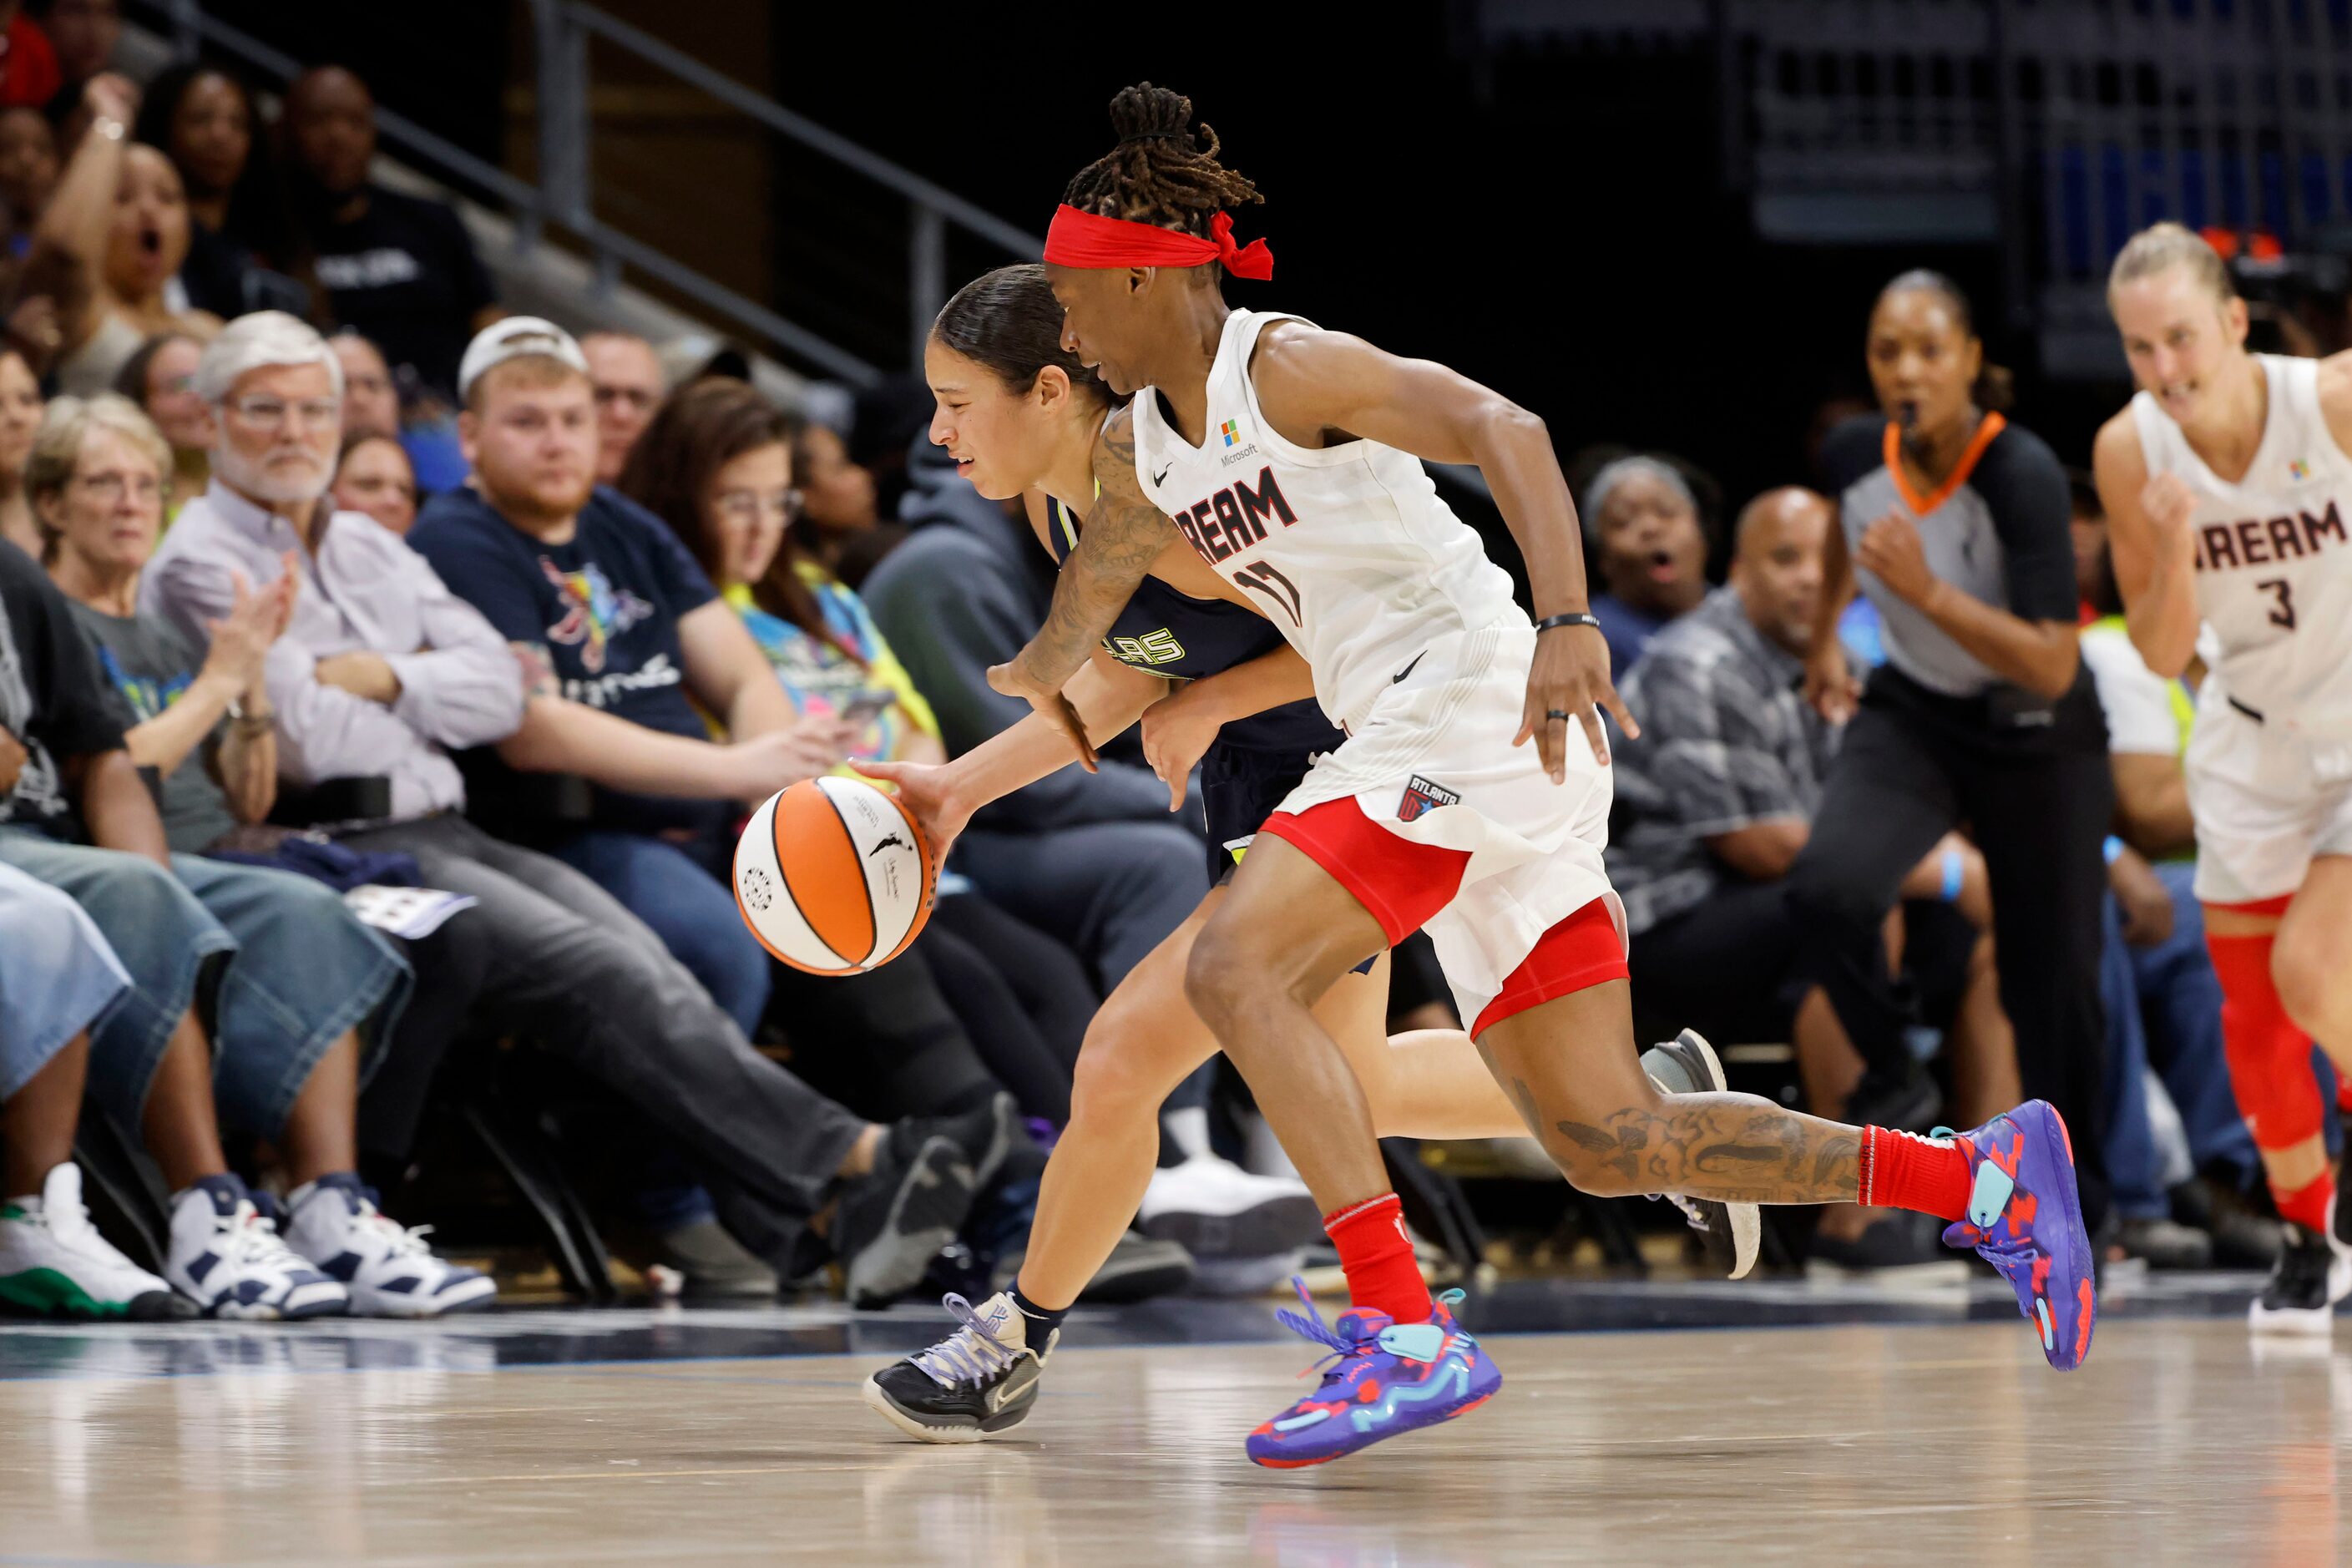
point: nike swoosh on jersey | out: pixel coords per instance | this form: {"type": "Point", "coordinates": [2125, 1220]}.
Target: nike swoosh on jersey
{"type": "Point", "coordinates": [1162, 477]}
{"type": "Point", "coordinates": [1401, 674]}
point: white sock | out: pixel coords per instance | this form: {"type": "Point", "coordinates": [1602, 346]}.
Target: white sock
{"type": "Point", "coordinates": [1190, 1130]}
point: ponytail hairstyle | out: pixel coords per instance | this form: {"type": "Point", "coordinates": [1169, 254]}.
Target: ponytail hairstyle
{"type": "Point", "coordinates": [1160, 172]}
{"type": "Point", "coordinates": [1995, 390]}
{"type": "Point", "coordinates": [1009, 323]}
{"type": "Point", "coordinates": [2163, 244]}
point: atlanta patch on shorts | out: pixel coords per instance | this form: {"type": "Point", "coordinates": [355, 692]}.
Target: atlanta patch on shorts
{"type": "Point", "coordinates": [1422, 796]}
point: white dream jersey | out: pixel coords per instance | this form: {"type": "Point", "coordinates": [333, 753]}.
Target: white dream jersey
{"type": "Point", "coordinates": [2273, 562]}
{"type": "Point", "coordinates": [1346, 549]}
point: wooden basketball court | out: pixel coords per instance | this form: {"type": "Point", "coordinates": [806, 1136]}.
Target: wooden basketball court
{"type": "Point", "coordinates": [492, 1442]}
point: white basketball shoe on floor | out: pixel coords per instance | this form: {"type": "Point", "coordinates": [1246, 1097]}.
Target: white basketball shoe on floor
{"type": "Point", "coordinates": [386, 1267]}
{"type": "Point", "coordinates": [53, 1262]}
{"type": "Point", "coordinates": [227, 1258]}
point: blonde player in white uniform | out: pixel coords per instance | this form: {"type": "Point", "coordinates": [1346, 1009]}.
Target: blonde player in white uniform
{"type": "Point", "coordinates": [2227, 487]}
{"type": "Point", "coordinates": [1286, 457]}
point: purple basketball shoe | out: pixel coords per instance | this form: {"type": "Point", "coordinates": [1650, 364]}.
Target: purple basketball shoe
{"type": "Point", "coordinates": [2026, 1220]}
{"type": "Point", "coordinates": [1384, 1377]}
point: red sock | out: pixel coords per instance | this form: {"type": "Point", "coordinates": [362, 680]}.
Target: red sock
{"type": "Point", "coordinates": [2270, 1067]}
{"type": "Point", "coordinates": [1905, 1171]}
{"type": "Point", "coordinates": [1381, 1274]}
{"type": "Point", "coordinates": [2307, 1204]}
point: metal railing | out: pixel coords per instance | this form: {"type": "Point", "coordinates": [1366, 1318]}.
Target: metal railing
{"type": "Point", "coordinates": [563, 198]}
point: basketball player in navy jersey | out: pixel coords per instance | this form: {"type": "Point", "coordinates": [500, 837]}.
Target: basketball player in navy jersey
{"type": "Point", "coordinates": [1283, 456]}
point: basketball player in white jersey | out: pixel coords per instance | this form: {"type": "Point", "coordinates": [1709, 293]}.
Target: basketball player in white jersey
{"type": "Point", "coordinates": [1284, 457]}
{"type": "Point", "coordinates": [2227, 486]}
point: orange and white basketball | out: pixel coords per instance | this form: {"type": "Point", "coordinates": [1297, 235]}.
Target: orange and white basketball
{"type": "Point", "coordinates": [834, 876]}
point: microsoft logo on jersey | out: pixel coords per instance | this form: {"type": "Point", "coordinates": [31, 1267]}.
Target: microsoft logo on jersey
{"type": "Point", "coordinates": [2298, 471]}
{"type": "Point", "coordinates": [1230, 431]}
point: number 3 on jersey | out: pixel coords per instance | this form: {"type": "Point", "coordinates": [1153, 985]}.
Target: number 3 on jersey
{"type": "Point", "coordinates": [2283, 591]}
{"type": "Point", "coordinates": [1265, 579]}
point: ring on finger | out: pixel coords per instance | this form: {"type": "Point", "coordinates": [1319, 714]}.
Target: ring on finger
{"type": "Point", "coordinates": [1560, 714]}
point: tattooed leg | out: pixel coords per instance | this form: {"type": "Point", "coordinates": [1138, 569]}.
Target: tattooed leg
{"type": "Point", "coordinates": [1569, 1066]}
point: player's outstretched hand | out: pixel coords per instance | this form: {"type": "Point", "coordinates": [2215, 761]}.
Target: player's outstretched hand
{"type": "Point", "coordinates": [1569, 678]}
{"type": "Point", "coordinates": [1050, 704]}
{"type": "Point", "coordinates": [1176, 735]}
{"type": "Point", "coordinates": [924, 789]}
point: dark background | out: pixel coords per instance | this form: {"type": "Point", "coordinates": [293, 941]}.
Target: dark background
{"type": "Point", "coordinates": [1555, 222]}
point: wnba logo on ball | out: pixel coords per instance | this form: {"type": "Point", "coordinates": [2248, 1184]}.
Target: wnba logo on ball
{"type": "Point", "coordinates": [834, 876]}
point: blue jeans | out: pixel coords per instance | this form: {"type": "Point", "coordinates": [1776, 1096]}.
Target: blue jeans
{"type": "Point", "coordinates": [58, 976]}
{"type": "Point", "coordinates": [694, 914]}
{"type": "Point", "coordinates": [298, 972]}
{"type": "Point", "coordinates": [2164, 1010]}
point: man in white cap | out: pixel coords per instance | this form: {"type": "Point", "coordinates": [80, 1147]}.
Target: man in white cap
{"type": "Point", "coordinates": [620, 633]}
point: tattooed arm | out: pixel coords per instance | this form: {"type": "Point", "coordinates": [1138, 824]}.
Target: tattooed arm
{"type": "Point", "coordinates": [1124, 534]}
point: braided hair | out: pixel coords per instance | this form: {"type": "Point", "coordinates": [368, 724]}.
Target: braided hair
{"type": "Point", "coordinates": [1160, 172]}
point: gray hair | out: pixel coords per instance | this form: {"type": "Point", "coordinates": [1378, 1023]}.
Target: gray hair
{"type": "Point", "coordinates": [258, 341]}
{"type": "Point", "coordinates": [66, 424]}
{"type": "Point", "coordinates": [1597, 489]}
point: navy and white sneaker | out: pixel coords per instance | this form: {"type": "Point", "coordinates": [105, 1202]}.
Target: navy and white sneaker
{"type": "Point", "coordinates": [385, 1265]}
{"type": "Point", "coordinates": [227, 1258]}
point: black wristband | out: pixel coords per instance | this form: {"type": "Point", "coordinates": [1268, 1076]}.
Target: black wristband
{"type": "Point", "coordinates": [1573, 618]}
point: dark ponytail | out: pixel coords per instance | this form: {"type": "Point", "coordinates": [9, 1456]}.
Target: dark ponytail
{"type": "Point", "coordinates": [1995, 390]}
{"type": "Point", "coordinates": [1009, 323]}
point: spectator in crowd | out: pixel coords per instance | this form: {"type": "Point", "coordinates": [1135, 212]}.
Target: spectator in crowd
{"type": "Point", "coordinates": [2163, 999]}
{"type": "Point", "coordinates": [28, 173]}
{"type": "Point", "coordinates": [295, 984]}
{"type": "Point", "coordinates": [1716, 798]}
{"type": "Point", "coordinates": [20, 416]}
{"type": "Point", "coordinates": [1954, 521]}
{"type": "Point", "coordinates": [628, 379]}
{"type": "Point", "coordinates": [371, 402]}
{"type": "Point", "coordinates": [83, 35]}
{"type": "Point", "coordinates": [400, 268]}
{"type": "Point", "coordinates": [204, 120]}
{"type": "Point", "coordinates": [715, 464]}
{"type": "Point", "coordinates": [1649, 549]}
{"type": "Point", "coordinates": [161, 379]}
{"type": "Point", "coordinates": [372, 476]}
{"type": "Point", "coordinates": [837, 527]}
{"type": "Point", "coordinates": [381, 670]}
{"type": "Point", "coordinates": [61, 981]}
{"type": "Point", "coordinates": [118, 229]}
{"type": "Point", "coordinates": [622, 634]}
{"type": "Point", "coordinates": [28, 65]}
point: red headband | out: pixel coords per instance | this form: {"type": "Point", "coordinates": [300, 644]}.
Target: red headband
{"type": "Point", "coordinates": [1089, 240]}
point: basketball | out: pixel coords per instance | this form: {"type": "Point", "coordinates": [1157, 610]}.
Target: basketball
{"type": "Point", "coordinates": [834, 876]}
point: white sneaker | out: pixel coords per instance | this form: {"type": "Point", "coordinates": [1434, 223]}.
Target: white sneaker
{"type": "Point", "coordinates": [54, 1262]}
{"type": "Point", "coordinates": [387, 1269]}
{"type": "Point", "coordinates": [1216, 1209]}
{"type": "Point", "coordinates": [227, 1258]}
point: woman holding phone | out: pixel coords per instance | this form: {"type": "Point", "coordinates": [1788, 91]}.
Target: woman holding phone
{"type": "Point", "coordinates": [716, 464]}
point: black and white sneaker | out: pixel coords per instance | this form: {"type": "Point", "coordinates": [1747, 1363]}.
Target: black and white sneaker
{"type": "Point", "coordinates": [1730, 1231]}
{"type": "Point", "coordinates": [978, 1382]}
{"type": "Point", "coordinates": [893, 1220]}
{"type": "Point", "coordinates": [2313, 1273]}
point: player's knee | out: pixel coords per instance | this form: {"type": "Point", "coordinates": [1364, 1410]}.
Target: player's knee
{"type": "Point", "coordinates": [1115, 1077]}
{"type": "Point", "coordinates": [2311, 985]}
{"type": "Point", "coordinates": [1219, 978]}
